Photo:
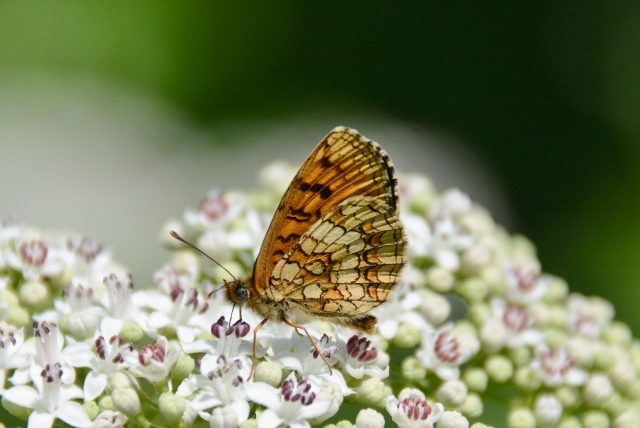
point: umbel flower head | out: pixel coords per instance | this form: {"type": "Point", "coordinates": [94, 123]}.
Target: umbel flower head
{"type": "Point", "coordinates": [474, 318]}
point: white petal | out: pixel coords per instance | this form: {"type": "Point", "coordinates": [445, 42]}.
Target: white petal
{"type": "Point", "coordinates": [185, 334]}
{"type": "Point", "coordinates": [94, 384]}
{"type": "Point", "coordinates": [22, 395]}
{"type": "Point", "coordinates": [79, 355]}
{"type": "Point", "coordinates": [269, 419]}
{"type": "Point", "coordinates": [73, 414]}
{"type": "Point", "coordinates": [158, 320]}
{"type": "Point", "coordinates": [241, 409]}
{"type": "Point", "coordinates": [69, 392]}
{"type": "Point", "coordinates": [263, 394]}
{"type": "Point", "coordinates": [40, 420]}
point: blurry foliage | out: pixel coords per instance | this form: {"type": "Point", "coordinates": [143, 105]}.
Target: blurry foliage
{"type": "Point", "coordinates": [547, 92]}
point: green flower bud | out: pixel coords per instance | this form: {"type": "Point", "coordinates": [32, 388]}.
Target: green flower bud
{"type": "Point", "coordinates": [92, 409]}
{"type": "Point", "coordinates": [472, 290]}
{"type": "Point", "coordinates": [480, 425]}
{"type": "Point", "coordinates": [597, 390]}
{"type": "Point", "coordinates": [627, 419]}
{"type": "Point", "coordinates": [183, 366]}
{"type": "Point", "coordinates": [615, 404]}
{"type": "Point", "coordinates": [118, 380]}
{"type": "Point", "coordinates": [568, 396]}
{"type": "Point", "coordinates": [453, 420]}
{"type": "Point", "coordinates": [595, 419]}
{"type": "Point", "coordinates": [369, 418]}
{"type": "Point", "coordinates": [554, 337]}
{"type": "Point", "coordinates": [452, 393]}
{"type": "Point", "coordinates": [435, 308]}
{"type": "Point", "coordinates": [521, 418]}
{"type": "Point", "coordinates": [344, 424]}
{"type": "Point", "coordinates": [19, 412]}
{"type": "Point", "coordinates": [131, 332]}
{"type": "Point", "coordinates": [499, 368]}
{"type": "Point", "coordinates": [413, 370]}
{"type": "Point", "coordinates": [81, 325]}
{"type": "Point", "coordinates": [472, 406]}
{"type": "Point", "coordinates": [126, 400]}
{"type": "Point", "coordinates": [479, 313]}
{"type": "Point", "coordinates": [222, 417]}
{"type": "Point", "coordinates": [372, 392]}
{"type": "Point", "coordinates": [268, 372]}
{"type": "Point", "coordinates": [558, 316]}
{"type": "Point", "coordinates": [617, 333]}
{"type": "Point", "coordinates": [493, 276]}
{"type": "Point", "coordinates": [9, 297]}
{"type": "Point", "coordinates": [407, 336]}
{"type": "Point", "coordinates": [440, 279]}
{"type": "Point", "coordinates": [35, 295]}
{"type": "Point", "coordinates": [569, 422]}
{"type": "Point", "coordinates": [475, 378]}
{"type": "Point", "coordinates": [18, 316]}
{"type": "Point", "coordinates": [634, 390]}
{"type": "Point", "coordinates": [603, 359]}
{"type": "Point", "coordinates": [106, 403]}
{"type": "Point", "coordinates": [557, 290]}
{"type": "Point", "coordinates": [520, 355]}
{"type": "Point", "coordinates": [172, 407]}
{"type": "Point", "coordinates": [249, 423]}
{"type": "Point", "coordinates": [526, 379]}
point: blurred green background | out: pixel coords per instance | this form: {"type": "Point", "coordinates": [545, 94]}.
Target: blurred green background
{"type": "Point", "coordinates": [546, 94]}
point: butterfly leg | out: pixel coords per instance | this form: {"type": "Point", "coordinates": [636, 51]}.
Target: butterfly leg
{"type": "Point", "coordinates": [313, 342]}
{"type": "Point", "coordinates": [255, 341]}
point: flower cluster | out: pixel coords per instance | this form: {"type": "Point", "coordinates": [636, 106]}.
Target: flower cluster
{"type": "Point", "coordinates": [473, 320]}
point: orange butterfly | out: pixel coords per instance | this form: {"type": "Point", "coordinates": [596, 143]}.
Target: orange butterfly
{"type": "Point", "coordinates": [335, 246]}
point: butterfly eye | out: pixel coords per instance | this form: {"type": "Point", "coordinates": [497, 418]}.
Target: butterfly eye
{"type": "Point", "coordinates": [242, 295]}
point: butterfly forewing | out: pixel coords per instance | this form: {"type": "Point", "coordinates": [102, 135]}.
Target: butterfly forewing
{"type": "Point", "coordinates": [343, 165]}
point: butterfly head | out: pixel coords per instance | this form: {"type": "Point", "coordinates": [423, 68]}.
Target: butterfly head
{"type": "Point", "coordinates": [237, 292]}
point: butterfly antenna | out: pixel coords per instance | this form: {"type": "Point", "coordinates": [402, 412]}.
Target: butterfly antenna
{"type": "Point", "coordinates": [181, 239]}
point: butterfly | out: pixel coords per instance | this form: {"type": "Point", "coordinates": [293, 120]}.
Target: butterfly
{"type": "Point", "coordinates": [335, 246]}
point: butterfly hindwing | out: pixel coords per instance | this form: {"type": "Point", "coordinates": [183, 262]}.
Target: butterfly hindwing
{"type": "Point", "coordinates": [345, 264]}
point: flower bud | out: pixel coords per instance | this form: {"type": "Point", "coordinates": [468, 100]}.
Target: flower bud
{"type": "Point", "coordinates": [555, 337]}
{"type": "Point", "coordinates": [548, 410]}
{"type": "Point", "coordinates": [569, 422]}
{"type": "Point", "coordinates": [222, 417]}
{"type": "Point", "coordinates": [435, 308]}
{"type": "Point", "coordinates": [472, 406]}
{"type": "Point", "coordinates": [251, 423]}
{"type": "Point", "coordinates": [480, 313]}
{"type": "Point", "coordinates": [344, 424]}
{"type": "Point", "coordinates": [182, 367]}
{"type": "Point", "coordinates": [18, 316]}
{"type": "Point", "coordinates": [521, 418]}
{"type": "Point", "coordinates": [604, 359]}
{"type": "Point", "coordinates": [568, 396]}
{"type": "Point", "coordinates": [499, 368]}
{"type": "Point", "coordinates": [453, 420]}
{"type": "Point", "coordinates": [369, 418]}
{"type": "Point", "coordinates": [82, 324]}
{"type": "Point", "coordinates": [520, 355]}
{"type": "Point", "coordinates": [440, 279]}
{"type": "Point", "coordinates": [597, 390]}
{"type": "Point", "coordinates": [617, 333]}
{"type": "Point", "coordinates": [172, 406]}
{"type": "Point", "coordinates": [480, 425]}
{"type": "Point", "coordinates": [34, 294]}
{"type": "Point", "coordinates": [126, 400]}
{"type": "Point", "coordinates": [627, 419]}
{"type": "Point", "coordinates": [475, 258]}
{"type": "Point", "coordinates": [92, 409]}
{"type": "Point", "coordinates": [106, 403]}
{"type": "Point", "coordinates": [472, 290]}
{"type": "Point", "coordinates": [452, 393]}
{"type": "Point", "coordinates": [373, 392]}
{"type": "Point", "coordinates": [476, 379]}
{"type": "Point", "coordinates": [131, 332]}
{"type": "Point", "coordinates": [526, 379]}
{"type": "Point", "coordinates": [407, 336]}
{"type": "Point", "coordinates": [595, 419]}
{"type": "Point", "coordinates": [118, 380]}
{"type": "Point", "coordinates": [413, 370]}
{"type": "Point", "coordinates": [268, 372]}
{"type": "Point", "coordinates": [493, 335]}
{"type": "Point", "coordinates": [493, 276]}
{"type": "Point", "coordinates": [557, 290]}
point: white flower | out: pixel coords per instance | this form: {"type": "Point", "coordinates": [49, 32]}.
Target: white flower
{"type": "Point", "coordinates": [525, 285]}
{"type": "Point", "coordinates": [360, 358]}
{"type": "Point", "coordinates": [219, 384]}
{"type": "Point", "coordinates": [555, 367]}
{"type": "Point", "coordinates": [230, 341]}
{"type": "Point", "coordinates": [216, 211]}
{"type": "Point", "coordinates": [35, 256]}
{"type": "Point", "coordinates": [51, 401]}
{"type": "Point", "coordinates": [109, 419]}
{"type": "Point", "coordinates": [369, 418]}
{"type": "Point", "coordinates": [510, 326]}
{"type": "Point", "coordinates": [588, 315]}
{"type": "Point", "coordinates": [153, 362]}
{"type": "Point", "coordinates": [306, 360]}
{"type": "Point", "coordinates": [410, 409]}
{"type": "Point", "coordinates": [443, 351]}
{"type": "Point", "coordinates": [292, 406]}
{"type": "Point", "coordinates": [121, 305]}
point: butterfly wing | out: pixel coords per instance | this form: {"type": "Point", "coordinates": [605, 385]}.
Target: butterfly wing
{"type": "Point", "coordinates": [343, 165]}
{"type": "Point", "coordinates": [345, 265]}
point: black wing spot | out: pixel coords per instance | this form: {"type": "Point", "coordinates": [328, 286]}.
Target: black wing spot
{"type": "Point", "coordinates": [325, 193]}
{"type": "Point", "coordinates": [316, 187]}
{"type": "Point", "coordinates": [304, 186]}
{"type": "Point", "coordinates": [290, 237]}
{"type": "Point", "coordinates": [326, 163]}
